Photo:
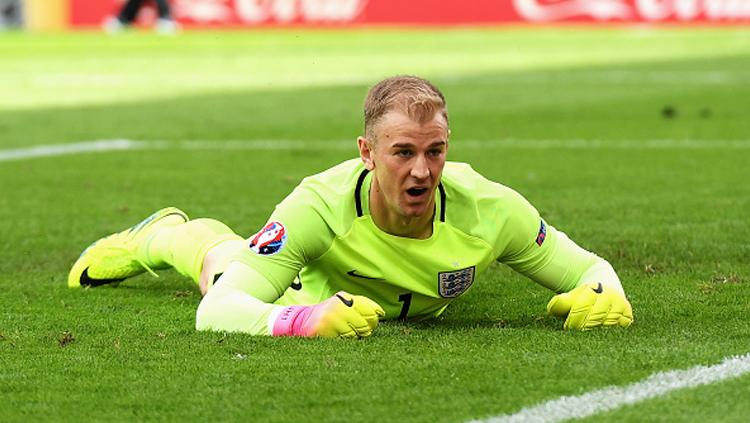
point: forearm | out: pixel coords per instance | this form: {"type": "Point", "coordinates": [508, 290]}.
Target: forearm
{"type": "Point", "coordinates": [227, 309]}
{"type": "Point", "coordinates": [568, 266]}
{"type": "Point", "coordinates": [241, 301]}
{"type": "Point", "coordinates": [231, 306]}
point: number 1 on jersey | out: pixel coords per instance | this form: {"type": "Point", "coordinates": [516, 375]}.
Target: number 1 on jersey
{"type": "Point", "coordinates": [406, 299]}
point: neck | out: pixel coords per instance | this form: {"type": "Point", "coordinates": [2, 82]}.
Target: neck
{"type": "Point", "coordinates": [419, 227]}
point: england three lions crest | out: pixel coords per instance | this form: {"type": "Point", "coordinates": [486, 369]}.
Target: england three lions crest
{"type": "Point", "coordinates": [452, 284]}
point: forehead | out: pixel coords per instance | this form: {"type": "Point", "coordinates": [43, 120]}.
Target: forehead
{"type": "Point", "coordinates": [396, 126]}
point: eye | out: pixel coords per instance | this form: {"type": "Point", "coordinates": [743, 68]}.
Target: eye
{"type": "Point", "coordinates": [436, 152]}
{"type": "Point", "coordinates": [404, 153]}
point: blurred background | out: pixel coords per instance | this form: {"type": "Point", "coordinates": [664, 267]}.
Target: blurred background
{"type": "Point", "coordinates": [75, 14]}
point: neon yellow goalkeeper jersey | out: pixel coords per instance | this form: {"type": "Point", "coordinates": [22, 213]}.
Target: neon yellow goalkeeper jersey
{"type": "Point", "coordinates": [322, 239]}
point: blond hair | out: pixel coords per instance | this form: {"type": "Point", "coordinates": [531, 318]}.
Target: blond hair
{"type": "Point", "coordinates": [418, 98]}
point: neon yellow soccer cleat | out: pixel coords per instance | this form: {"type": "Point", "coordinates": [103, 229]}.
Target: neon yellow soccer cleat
{"type": "Point", "coordinates": [114, 258]}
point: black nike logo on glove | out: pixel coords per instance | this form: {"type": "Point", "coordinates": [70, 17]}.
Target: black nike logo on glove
{"type": "Point", "coordinates": [296, 285]}
{"type": "Point", "coordinates": [86, 280]}
{"type": "Point", "coordinates": [346, 302]}
{"type": "Point", "coordinates": [599, 289]}
{"type": "Point", "coordinates": [357, 275]}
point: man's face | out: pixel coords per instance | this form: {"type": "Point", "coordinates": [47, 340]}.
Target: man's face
{"type": "Point", "coordinates": [407, 160]}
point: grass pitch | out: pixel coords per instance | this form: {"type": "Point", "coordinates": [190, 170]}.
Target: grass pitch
{"type": "Point", "coordinates": [634, 142]}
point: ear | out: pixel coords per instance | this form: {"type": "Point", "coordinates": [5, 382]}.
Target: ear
{"type": "Point", "coordinates": [365, 152]}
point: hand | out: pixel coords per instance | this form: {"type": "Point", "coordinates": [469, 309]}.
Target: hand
{"type": "Point", "coordinates": [343, 315]}
{"type": "Point", "coordinates": [591, 305]}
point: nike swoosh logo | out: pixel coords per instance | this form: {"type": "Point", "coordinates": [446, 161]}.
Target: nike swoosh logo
{"type": "Point", "coordinates": [357, 275]}
{"type": "Point", "coordinates": [346, 302]}
{"type": "Point", "coordinates": [296, 285]}
{"type": "Point", "coordinates": [86, 280]}
{"type": "Point", "coordinates": [599, 289]}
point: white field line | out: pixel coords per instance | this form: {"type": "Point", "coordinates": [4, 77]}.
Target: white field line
{"type": "Point", "coordinates": [613, 397]}
{"type": "Point", "coordinates": [65, 149]}
{"type": "Point", "coordinates": [289, 145]}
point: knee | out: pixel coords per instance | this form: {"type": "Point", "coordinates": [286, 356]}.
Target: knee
{"type": "Point", "coordinates": [216, 261]}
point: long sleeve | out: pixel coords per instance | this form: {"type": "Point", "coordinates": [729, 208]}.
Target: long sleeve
{"type": "Point", "coordinates": [547, 256]}
{"type": "Point", "coordinates": [240, 301]}
{"type": "Point", "coordinates": [565, 265]}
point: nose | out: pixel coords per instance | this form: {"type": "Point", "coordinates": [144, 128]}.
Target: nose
{"type": "Point", "coordinates": [420, 170]}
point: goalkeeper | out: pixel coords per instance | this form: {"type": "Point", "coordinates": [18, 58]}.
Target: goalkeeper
{"type": "Point", "coordinates": [397, 233]}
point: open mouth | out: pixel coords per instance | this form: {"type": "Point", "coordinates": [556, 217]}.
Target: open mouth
{"type": "Point", "coordinates": [416, 192]}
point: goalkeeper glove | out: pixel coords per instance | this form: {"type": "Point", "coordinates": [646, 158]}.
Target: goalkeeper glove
{"type": "Point", "coordinates": [343, 315]}
{"type": "Point", "coordinates": [591, 305]}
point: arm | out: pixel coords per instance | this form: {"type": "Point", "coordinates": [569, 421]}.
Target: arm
{"type": "Point", "coordinates": [554, 261]}
{"type": "Point", "coordinates": [240, 301]}
{"type": "Point", "coordinates": [562, 265]}
{"type": "Point", "coordinates": [592, 294]}
{"type": "Point", "coordinates": [265, 266]}
{"type": "Point", "coordinates": [236, 304]}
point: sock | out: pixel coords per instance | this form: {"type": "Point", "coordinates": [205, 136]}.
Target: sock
{"type": "Point", "coordinates": [184, 246]}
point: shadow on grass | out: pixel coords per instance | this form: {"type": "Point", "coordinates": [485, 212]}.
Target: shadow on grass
{"type": "Point", "coordinates": [177, 290]}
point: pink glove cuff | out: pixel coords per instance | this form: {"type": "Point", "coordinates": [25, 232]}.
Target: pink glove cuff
{"type": "Point", "coordinates": [290, 320]}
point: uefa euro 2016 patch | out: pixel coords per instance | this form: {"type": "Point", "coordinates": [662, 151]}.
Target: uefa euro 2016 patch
{"type": "Point", "coordinates": [270, 240]}
{"type": "Point", "coordinates": [453, 284]}
{"type": "Point", "coordinates": [542, 234]}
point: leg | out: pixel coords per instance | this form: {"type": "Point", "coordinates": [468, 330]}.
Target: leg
{"type": "Point", "coordinates": [198, 249]}
{"type": "Point", "coordinates": [216, 261]}
{"type": "Point", "coordinates": [165, 25]}
{"type": "Point", "coordinates": [164, 239]}
{"type": "Point", "coordinates": [163, 8]}
{"type": "Point", "coordinates": [129, 11]}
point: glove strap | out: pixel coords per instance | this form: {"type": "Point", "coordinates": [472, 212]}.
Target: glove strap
{"type": "Point", "coordinates": [290, 320]}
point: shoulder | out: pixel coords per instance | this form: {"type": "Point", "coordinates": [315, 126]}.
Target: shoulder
{"type": "Point", "coordinates": [335, 180]}
{"type": "Point", "coordinates": [470, 187]}
{"type": "Point", "coordinates": [481, 207]}
{"type": "Point", "coordinates": [326, 197]}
